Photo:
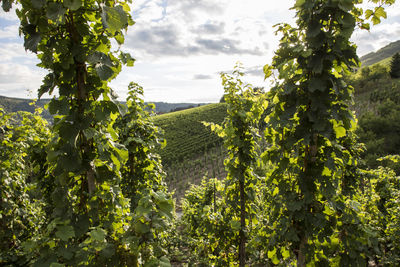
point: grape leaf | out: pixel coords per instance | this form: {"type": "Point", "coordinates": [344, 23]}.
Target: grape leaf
{"type": "Point", "coordinates": [65, 232]}
{"type": "Point", "coordinates": [114, 19]}
{"type": "Point", "coordinates": [73, 4]}
{"type": "Point", "coordinates": [38, 4]}
{"type": "Point", "coordinates": [55, 12]}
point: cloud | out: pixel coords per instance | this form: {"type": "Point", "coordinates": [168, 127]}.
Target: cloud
{"type": "Point", "coordinates": [184, 28]}
{"type": "Point", "coordinates": [255, 71]}
{"type": "Point", "coordinates": [149, 11]}
{"type": "Point", "coordinates": [8, 32]}
{"type": "Point", "coordinates": [9, 16]}
{"type": "Point", "coordinates": [202, 77]}
{"type": "Point", "coordinates": [192, 10]}
{"type": "Point", "coordinates": [17, 79]}
{"type": "Point", "coordinates": [224, 46]}
{"type": "Point", "coordinates": [15, 52]}
{"type": "Point", "coordinates": [169, 40]}
{"type": "Point", "coordinates": [379, 36]}
{"type": "Point", "coordinates": [210, 28]}
{"type": "Point", "coordinates": [160, 40]}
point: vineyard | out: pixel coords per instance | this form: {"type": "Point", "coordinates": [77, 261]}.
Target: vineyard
{"type": "Point", "coordinates": [192, 150]}
{"type": "Point", "coordinates": [298, 188]}
{"type": "Point", "coordinates": [180, 175]}
{"type": "Point", "coordinates": [185, 133]}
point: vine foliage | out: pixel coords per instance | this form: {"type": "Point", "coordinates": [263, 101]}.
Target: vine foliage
{"type": "Point", "coordinates": [24, 137]}
{"type": "Point", "coordinates": [310, 129]}
{"type": "Point", "coordinates": [88, 215]}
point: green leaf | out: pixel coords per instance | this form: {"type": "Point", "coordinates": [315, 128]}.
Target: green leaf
{"type": "Point", "coordinates": [365, 26]}
{"type": "Point", "coordinates": [267, 71]}
{"type": "Point", "coordinates": [141, 228]}
{"type": "Point", "coordinates": [299, 3]}
{"type": "Point", "coordinates": [159, 196]}
{"type": "Point", "coordinates": [316, 64]}
{"type": "Point", "coordinates": [340, 131]}
{"type": "Point", "coordinates": [104, 71]}
{"type": "Point", "coordinates": [98, 234]}
{"type": "Point", "coordinates": [73, 4]}
{"type": "Point", "coordinates": [31, 42]}
{"type": "Point", "coordinates": [47, 85]}
{"type": "Point", "coordinates": [368, 13]}
{"type": "Point", "coordinates": [380, 12]}
{"type": "Point", "coordinates": [114, 18]}
{"type": "Point", "coordinates": [108, 251]}
{"type": "Point", "coordinates": [271, 253]}
{"type": "Point", "coordinates": [166, 208]}
{"type": "Point", "coordinates": [375, 20]}
{"type": "Point", "coordinates": [59, 106]}
{"type": "Point", "coordinates": [38, 4]}
{"type": "Point", "coordinates": [346, 5]}
{"type": "Point", "coordinates": [164, 262]}
{"type": "Point", "coordinates": [55, 264]}
{"type": "Point", "coordinates": [143, 210]}
{"type": "Point", "coordinates": [68, 163]}
{"type": "Point", "coordinates": [100, 57]}
{"type": "Point", "coordinates": [55, 12]}
{"type": "Point", "coordinates": [285, 253]}
{"type": "Point", "coordinates": [349, 21]}
{"type": "Point", "coordinates": [126, 59]}
{"type": "Point", "coordinates": [90, 133]}
{"type": "Point", "coordinates": [66, 253]}
{"type": "Point", "coordinates": [326, 172]}
{"type": "Point", "coordinates": [235, 225]}
{"type": "Point", "coordinates": [314, 29]}
{"type": "Point", "coordinates": [276, 191]}
{"type": "Point", "coordinates": [122, 152]}
{"type": "Point", "coordinates": [119, 38]}
{"type": "Point", "coordinates": [65, 232]}
{"type": "Point", "coordinates": [316, 84]}
{"type": "Point", "coordinates": [6, 5]}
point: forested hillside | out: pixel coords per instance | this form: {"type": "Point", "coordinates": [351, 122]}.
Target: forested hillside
{"type": "Point", "coordinates": [377, 102]}
{"type": "Point", "coordinates": [10, 104]}
{"type": "Point", "coordinates": [383, 53]}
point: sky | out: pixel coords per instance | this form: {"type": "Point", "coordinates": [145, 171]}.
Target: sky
{"type": "Point", "coordinates": [181, 46]}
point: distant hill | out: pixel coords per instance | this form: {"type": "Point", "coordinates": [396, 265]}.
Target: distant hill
{"type": "Point", "coordinates": [11, 104]}
{"type": "Point", "coordinates": [163, 107]}
{"type": "Point", "coordinates": [383, 53]}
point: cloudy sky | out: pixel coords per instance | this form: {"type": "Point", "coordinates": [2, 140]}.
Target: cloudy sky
{"type": "Point", "coordinates": [181, 46]}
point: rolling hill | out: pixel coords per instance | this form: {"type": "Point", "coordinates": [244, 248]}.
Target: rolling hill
{"type": "Point", "coordinates": [382, 54]}
{"type": "Point", "coordinates": [185, 133]}
{"type": "Point", "coordinates": [11, 104]}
